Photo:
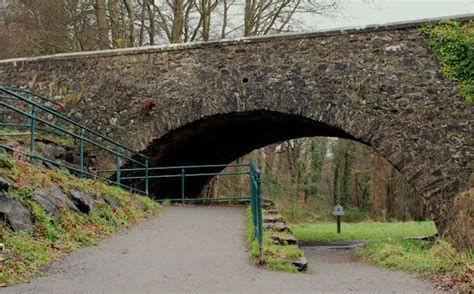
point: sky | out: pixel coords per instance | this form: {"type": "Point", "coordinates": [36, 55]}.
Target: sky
{"type": "Point", "coordinates": [361, 13]}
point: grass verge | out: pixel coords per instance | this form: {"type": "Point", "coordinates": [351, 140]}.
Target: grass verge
{"type": "Point", "coordinates": [449, 269]}
{"type": "Point", "coordinates": [326, 231]}
{"type": "Point", "coordinates": [26, 253]}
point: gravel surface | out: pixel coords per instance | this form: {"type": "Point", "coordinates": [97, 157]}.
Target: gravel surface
{"type": "Point", "coordinates": [203, 250]}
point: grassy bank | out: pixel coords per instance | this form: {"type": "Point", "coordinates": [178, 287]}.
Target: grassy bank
{"type": "Point", "coordinates": [277, 257]}
{"type": "Point", "coordinates": [450, 269]}
{"type": "Point", "coordinates": [326, 231]}
{"type": "Point", "coordinates": [26, 253]}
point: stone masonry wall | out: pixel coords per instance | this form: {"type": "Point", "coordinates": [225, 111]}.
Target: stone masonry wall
{"type": "Point", "coordinates": [380, 86]}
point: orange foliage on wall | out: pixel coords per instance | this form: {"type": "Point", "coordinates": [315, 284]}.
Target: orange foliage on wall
{"type": "Point", "coordinates": [147, 105]}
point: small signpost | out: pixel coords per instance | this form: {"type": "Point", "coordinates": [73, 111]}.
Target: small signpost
{"type": "Point", "coordinates": [338, 212]}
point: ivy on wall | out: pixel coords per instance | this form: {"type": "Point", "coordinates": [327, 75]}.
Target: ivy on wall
{"type": "Point", "coordinates": [453, 45]}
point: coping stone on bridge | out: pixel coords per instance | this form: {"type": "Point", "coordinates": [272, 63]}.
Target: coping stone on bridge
{"type": "Point", "coordinates": [244, 40]}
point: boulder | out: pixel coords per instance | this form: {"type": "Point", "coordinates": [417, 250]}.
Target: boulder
{"type": "Point", "coordinates": [72, 155]}
{"type": "Point", "coordinates": [139, 205]}
{"type": "Point", "coordinates": [15, 214]}
{"type": "Point", "coordinates": [83, 200]}
{"type": "Point", "coordinates": [52, 199]}
{"type": "Point", "coordinates": [109, 200]}
{"type": "Point", "coordinates": [301, 264]}
{"type": "Point", "coordinates": [5, 183]}
{"type": "Point", "coordinates": [51, 151]}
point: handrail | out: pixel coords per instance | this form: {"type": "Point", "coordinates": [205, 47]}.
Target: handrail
{"type": "Point", "coordinates": [186, 175]}
{"type": "Point", "coordinates": [78, 125]}
{"type": "Point", "coordinates": [34, 94]}
{"type": "Point", "coordinates": [177, 167]}
{"type": "Point", "coordinates": [33, 118]}
{"type": "Point", "coordinates": [70, 133]}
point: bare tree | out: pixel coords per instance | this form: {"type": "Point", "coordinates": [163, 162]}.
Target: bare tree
{"type": "Point", "coordinates": [102, 25]}
{"type": "Point", "coordinates": [131, 21]}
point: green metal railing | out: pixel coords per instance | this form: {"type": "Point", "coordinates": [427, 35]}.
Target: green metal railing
{"type": "Point", "coordinates": [256, 207]}
{"type": "Point", "coordinates": [30, 96]}
{"type": "Point", "coordinates": [39, 118]}
{"type": "Point", "coordinates": [44, 119]}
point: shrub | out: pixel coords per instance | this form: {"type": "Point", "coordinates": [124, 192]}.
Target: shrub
{"type": "Point", "coordinates": [6, 161]}
{"type": "Point", "coordinates": [461, 220]}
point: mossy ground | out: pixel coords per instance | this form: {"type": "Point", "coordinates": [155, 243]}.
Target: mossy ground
{"type": "Point", "coordinates": [26, 253]}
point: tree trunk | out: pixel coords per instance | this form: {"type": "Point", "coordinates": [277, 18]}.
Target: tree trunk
{"type": "Point", "coordinates": [206, 19]}
{"type": "Point", "coordinates": [142, 24]}
{"type": "Point", "coordinates": [178, 22]}
{"type": "Point", "coordinates": [102, 24]}
{"type": "Point", "coordinates": [151, 18]}
{"type": "Point", "coordinates": [249, 17]}
{"type": "Point", "coordinates": [131, 22]}
{"type": "Point", "coordinates": [114, 23]}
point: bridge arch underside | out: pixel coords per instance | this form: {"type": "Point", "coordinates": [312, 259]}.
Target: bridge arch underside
{"type": "Point", "coordinates": [221, 139]}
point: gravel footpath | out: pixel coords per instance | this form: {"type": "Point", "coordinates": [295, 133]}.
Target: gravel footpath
{"type": "Point", "coordinates": [203, 250]}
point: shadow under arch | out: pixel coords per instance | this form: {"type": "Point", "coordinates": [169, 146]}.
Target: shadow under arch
{"type": "Point", "coordinates": [223, 138]}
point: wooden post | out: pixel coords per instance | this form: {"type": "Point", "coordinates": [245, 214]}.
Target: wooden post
{"type": "Point", "coordinates": [338, 224]}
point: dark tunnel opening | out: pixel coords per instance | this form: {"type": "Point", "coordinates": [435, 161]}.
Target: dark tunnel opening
{"type": "Point", "coordinates": [221, 139]}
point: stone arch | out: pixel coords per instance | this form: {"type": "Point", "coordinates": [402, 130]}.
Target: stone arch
{"type": "Point", "coordinates": [223, 138]}
{"type": "Point", "coordinates": [379, 85]}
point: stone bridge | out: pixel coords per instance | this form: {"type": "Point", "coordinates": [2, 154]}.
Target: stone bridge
{"type": "Point", "coordinates": [214, 102]}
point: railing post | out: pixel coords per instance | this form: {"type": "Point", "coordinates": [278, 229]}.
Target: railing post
{"type": "Point", "coordinates": [29, 107]}
{"type": "Point", "coordinates": [256, 206]}
{"type": "Point", "coordinates": [146, 177]}
{"type": "Point", "coordinates": [117, 167]}
{"type": "Point", "coordinates": [32, 133]}
{"type": "Point", "coordinates": [81, 151]}
{"type": "Point", "coordinates": [182, 185]}
{"type": "Point", "coordinates": [259, 218]}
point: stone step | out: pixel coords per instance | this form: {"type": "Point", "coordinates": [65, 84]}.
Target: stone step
{"type": "Point", "coordinates": [301, 264]}
{"type": "Point", "coordinates": [271, 211]}
{"type": "Point", "coordinates": [273, 219]}
{"type": "Point", "coordinates": [277, 227]}
{"type": "Point", "coordinates": [268, 206]}
{"type": "Point", "coordinates": [284, 239]}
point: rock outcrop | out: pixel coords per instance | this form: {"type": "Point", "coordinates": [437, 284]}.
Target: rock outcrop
{"type": "Point", "coordinates": [83, 200]}
{"type": "Point", "coordinates": [15, 214]}
{"type": "Point", "coordinates": [53, 199]}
